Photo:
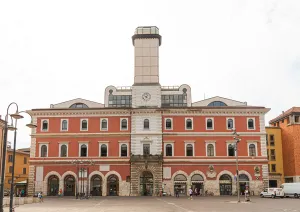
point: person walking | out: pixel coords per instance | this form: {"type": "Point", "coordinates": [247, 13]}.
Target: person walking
{"type": "Point", "coordinates": [196, 192]}
{"type": "Point", "coordinates": [177, 193]}
{"type": "Point", "coordinates": [191, 193]}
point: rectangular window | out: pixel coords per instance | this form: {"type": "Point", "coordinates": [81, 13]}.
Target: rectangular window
{"type": "Point", "coordinates": [45, 125]}
{"type": "Point", "coordinates": [104, 124]}
{"type": "Point", "coordinates": [124, 124]}
{"type": "Point", "coordinates": [273, 156]}
{"type": "Point", "coordinates": [119, 100]}
{"type": "Point", "coordinates": [231, 149]}
{"type": "Point", "coordinates": [296, 119]}
{"type": "Point", "coordinates": [169, 150]}
{"type": "Point", "coordinates": [146, 149]}
{"type": "Point", "coordinates": [25, 160]}
{"type": "Point", "coordinates": [83, 150]}
{"type": "Point", "coordinates": [288, 120]}
{"type": "Point", "coordinates": [168, 124]}
{"type": "Point", "coordinates": [188, 123]}
{"type": "Point", "coordinates": [10, 158]}
{"type": "Point", "coordinates": [189, 150]}
{"type": "Point", "coordinates": [64, 125]}
{"type": "Point", "coordinates": [24, 170]}
{"type": "Point", "coordinates": [10, 169]}
{"type": "Point", "coordinates": [272, 140]}
{"type": "Point", "coordinates": [273, 167]}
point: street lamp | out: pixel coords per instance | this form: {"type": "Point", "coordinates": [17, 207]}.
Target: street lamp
{"type": "Point", "coordinates": [16, 116]}
{"type": "Point", "coordinates": [237, 140]}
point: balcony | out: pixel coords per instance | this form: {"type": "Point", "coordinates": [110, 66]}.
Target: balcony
{"type": "Point", "coordinates": [149, 158]}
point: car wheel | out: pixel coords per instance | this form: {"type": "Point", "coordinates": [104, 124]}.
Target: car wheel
{"type": "Point", "coordinates": [296, 196]}
{"type": "Point", "coordinates": [272, 196]}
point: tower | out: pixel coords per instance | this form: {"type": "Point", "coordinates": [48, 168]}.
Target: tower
{"type": "Point", "coordinates": [146, 90]}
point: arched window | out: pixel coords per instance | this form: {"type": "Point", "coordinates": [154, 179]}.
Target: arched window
{"type": "Point", "coordinates": [209, 124]}
{"type": "Point", "coordinates": [225, 177]}
{"type": "Point", "coordinates": [231, 150]}
{"type": "Point", "coordinates": [252, 150]}
{"type": "Point", "coordinates": [216, 104]}
{"type": "Point", "coordinates": [44, 151]}
{"type": "Point", "coordinates": [123, 150]}
{"type": "Point", "coordinates": [250, 124]}
{"type": "Point", "coordinates": [197, 177]}
{"type": "Point", "coordinates": [83, 150]}
{"type": "Point", "coordinates": [63, 150]}
{"type": "Point", "coordinates": [168, 124]}
{"type": "Point", "coordinates": [146, 124]}
{"type": "Point", "coordinates": [188, 124]}
{"type": "Point", "coordinates": [103, 150]}
{"type": "Point", "coordinates": [189, 150]}
{"type": "Point", "coordinates": [104, 124]}
{"type": "Point", "coordinates": [210, 150]}
{"type": "Point", "coordinates": [79, 105]}
{"type": "Point", "coordinates": [169, 151]}
{"type": "Point", "coordinates": [124, 124]}
{"type": "Point", "coordinates": [84, 124]}
{"type": "Point", "coordinates": [229, 123]}
{"type": "Point", "coordinates": [45, 125]}
{"type": "Point", "coordinates": [64, 125]}
{"type": "Point", "coordinates": [180, 177]}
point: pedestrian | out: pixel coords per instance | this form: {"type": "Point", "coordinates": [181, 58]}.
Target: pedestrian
{"type": "Point", "coordinates": [23, 193]}
{"type": "Point", "coordinates": [196, 192]}
{"type": "Point", "coordinates": [177, 192]}
{"type": "Point", "coordinates": [191, 193]}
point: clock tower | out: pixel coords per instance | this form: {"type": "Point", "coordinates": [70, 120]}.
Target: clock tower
{"type": "Point", "coordinates": [146, 90]}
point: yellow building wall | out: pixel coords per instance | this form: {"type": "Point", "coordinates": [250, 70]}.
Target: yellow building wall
{"type": "Point", "coordinates": [276, 131]}
{"type": "Point", "coordinates": [19, 165]}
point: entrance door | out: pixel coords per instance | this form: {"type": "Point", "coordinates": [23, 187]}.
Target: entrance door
{"type": "Point", "coordinates": [225, 189]}
{"type": "Point", "coordinates": [180, 188]}
{"type": "Point", "coordinates": [53, 185]}
{"type": "Point", "coordinates": [113, 185]}
{"type": "Point", "coordinates": [69, 186]}
{"type": "Point", "coordinates": [146, 184]}
{"type": "Point", "coordinates": [96, 185]}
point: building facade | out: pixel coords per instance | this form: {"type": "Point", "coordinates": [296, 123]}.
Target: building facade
{"type": "Point", "coordinates": [2, 126]}
{"type": "Point", "coordinates": [21, 170]}
{"type": "Point", "coordinates": [275, 156]}
{"type": "Point", "coordinates": [289, 123]}
{"type": "Point", "coordinates": [147, 138]}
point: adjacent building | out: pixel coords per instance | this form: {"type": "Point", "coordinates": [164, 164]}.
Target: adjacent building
{"type": "Point", "coordinates": [147, 138]}
{"type": "Point", "coordinates": [289, 123]}
{"type": "Point", "coordinates": [21, 170]}
{"type": "Point", "coordinates": [275, 156]}
{"type": "Point", "coordinates": [2, 126]}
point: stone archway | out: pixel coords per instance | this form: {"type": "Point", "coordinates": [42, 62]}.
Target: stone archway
{"type": "Point", "coordinates": [62, 182]}
{"type": "Point", "coordinates": [115, 185]}
{"type": "Point", "coordinates": [244, 179]}
{"type": "Point", "coordinates": [180, 185]}
{"type": "Point", "coordinates": [46, 181]}
{"type": "Point", "coordinates": [146, 182]}
{"type": "Point", "coordinates": [103, 182]}
{"type": "Point", "coordinates": [197, 181]}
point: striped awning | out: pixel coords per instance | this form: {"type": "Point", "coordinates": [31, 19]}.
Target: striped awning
{"type": "Point", "coordinates": [180, 182]}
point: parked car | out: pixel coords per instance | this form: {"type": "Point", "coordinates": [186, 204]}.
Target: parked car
{"type": "Point", "coordinates": [272, 192]}
{"type": "Point", "coordinates": [291, 189]}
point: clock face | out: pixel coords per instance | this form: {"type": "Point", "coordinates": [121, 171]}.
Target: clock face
{"type": "Point", "coordinates": [146, 96]}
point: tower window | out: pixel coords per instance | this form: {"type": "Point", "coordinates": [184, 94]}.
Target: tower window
{"type": "Point", "coordinates": [188, 124]}
{"type": "Point", "coordinates": [84, 124]}
{"type": "Point", "coordinates": [45, 125]}
{"type": "Point", "coordinates": [168, 124]}
{"type": "Point", "coordinates": [146, 124]}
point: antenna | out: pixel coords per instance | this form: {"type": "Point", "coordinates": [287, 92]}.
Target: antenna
{"type": "Point", "coordinates": [204, 95]}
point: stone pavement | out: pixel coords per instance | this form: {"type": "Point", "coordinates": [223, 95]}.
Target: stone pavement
{"type": "Point", "coordinates": [163, 204]}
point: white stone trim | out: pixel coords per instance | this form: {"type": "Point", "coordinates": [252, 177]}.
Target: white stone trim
{"type": "Point", "coordinates": [256, 151]}
{"type": "Point", "coordinates": [233, 120]}
{"type": "Point", "coordinates": [180, 172]}
{"type": "Point", "coordinates": [226, 172]}
{"type": "Point", "coordinates": [80, 143]}
{"type": "Point", "coordinates": [121, 119]}
{"type": "Point", "coordinates": [107, 148]}
{"type": "Point", "coordinates": [165, 148]}
{"type": "Point", "coordinates": [40, 148]}
{"type": "Point", "coordinates": [59, 150]}
{"type": "Point", "coordinates": [68, 173]}
{"type": "Point", "coordinates": [48, 125]}
{"type": "Point", "coordinates": [165, 123]}
{"type": "Point", "coordinates": [227, 145]}
{"type": "Point", "coordinates": [213, 123]}
{"type": "Point", "coordinates": [61, 125]}
{"type": "Point", "coordinates": [197, 172]}
{"type": "Point", "coordinates": [120, 145]}
{"type": "Point", "coordinates": [87, 124]}
{"type": "Point", "coordinates": [185, 145]}
{"type": "Point", "coordinates": [192, 123]}
{"type": "Point", "coordinates": [214, 144]}
{"type": "Point", "coordinates": [254, 123]}
{"type": "Point", "coordinates": [246, 173]}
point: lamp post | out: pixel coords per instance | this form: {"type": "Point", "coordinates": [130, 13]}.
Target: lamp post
{"type": "Point", "coordinates": [237, 140]}
{"type": "Point", "coordinates": [16, 116]}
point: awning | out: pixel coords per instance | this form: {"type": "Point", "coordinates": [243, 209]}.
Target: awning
{"type": "Point", "coordinates": [22, 183]}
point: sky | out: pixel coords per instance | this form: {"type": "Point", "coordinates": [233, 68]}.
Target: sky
{"type": "Point", "coordinates": [58, 50]}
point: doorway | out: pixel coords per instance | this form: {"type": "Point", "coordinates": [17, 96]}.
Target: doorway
{"type": "Point", "coordinates": [146, 183]}
{"type": "Point", "coordinates": [53, 185]}
{"type": "Point", "coordinates": [113, 185]}
{"type": "Point", "coordinates": [96, 185]}
{"type": "Point", "coordinates": [69, 186]}
{"type": "Point", "coordinates": [225, 185]}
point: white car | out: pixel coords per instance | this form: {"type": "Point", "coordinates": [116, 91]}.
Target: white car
{"type": "Point", "coordinates": [272, 192]}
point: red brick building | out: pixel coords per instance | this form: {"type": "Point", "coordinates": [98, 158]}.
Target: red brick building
{"type": "Point", "coordinates": [289, 122]}
{"type": "Point", "coordinates": [147, 138]}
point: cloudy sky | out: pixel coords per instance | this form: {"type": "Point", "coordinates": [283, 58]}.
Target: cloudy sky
{"type": "Point", "coordinates": [53, 51]}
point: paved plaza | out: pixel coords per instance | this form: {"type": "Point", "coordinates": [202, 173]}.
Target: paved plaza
{"type": "Point", "coordinates": [163, 204]}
